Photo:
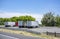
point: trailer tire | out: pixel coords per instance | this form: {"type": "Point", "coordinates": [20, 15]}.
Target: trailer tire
{"type": "Point", "coordinates": [36, 27]}
{"type": "Point", "coordinates": [30, 27]}
{"type": "Point", "coordinates": [7, 25]}
{"type": "Point", "coordinates": [20, 26]}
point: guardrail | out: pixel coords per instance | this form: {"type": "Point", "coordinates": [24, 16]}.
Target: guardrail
{"type": "Point", "coordinates": [53, 34]}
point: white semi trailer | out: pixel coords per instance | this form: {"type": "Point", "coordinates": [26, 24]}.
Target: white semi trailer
{"type": "Point", "coordinates": [20, 24]}
{"type": "Point", "coordinates": [32, 24]}
{"type": "Point", "coordinates": [29, 24]}
{"type": "Point", "coordinates": [9, 24]}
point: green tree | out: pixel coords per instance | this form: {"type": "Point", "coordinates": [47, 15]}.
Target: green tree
{"type": "Point", "coordinates": [48, 19]}
{"type": "Point", "coordinates": [1, 21]}
{"type": "Point", "coordinates": [6, 19]}
{"type": "Point", "coordinates": [57, 19]}
{"type": "Point", "coordinates": [26, 18]}
{"type": "Point", "coordinates": [14, 19]}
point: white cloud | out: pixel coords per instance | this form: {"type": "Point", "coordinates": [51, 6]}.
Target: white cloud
{"type": "Point", "coordinates": [11, 14]}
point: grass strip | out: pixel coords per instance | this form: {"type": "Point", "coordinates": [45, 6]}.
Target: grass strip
{"type": "Point", "coordinates": [28, 34]}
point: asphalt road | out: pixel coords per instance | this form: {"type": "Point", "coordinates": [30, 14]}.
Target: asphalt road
{"type": "Point", "coordinates": [4, 35]}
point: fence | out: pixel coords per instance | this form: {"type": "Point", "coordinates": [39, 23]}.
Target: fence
{"type": "Point", "coordinates": [53, 34]}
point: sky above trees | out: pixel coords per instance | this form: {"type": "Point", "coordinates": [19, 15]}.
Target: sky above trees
{"type": "Point", "coordinates": [35, 8]}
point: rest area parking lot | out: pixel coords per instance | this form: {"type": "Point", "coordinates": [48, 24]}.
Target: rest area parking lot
{"type": "Point", "coordinates": [37, 30]}
{"type": "Point", "coordinates": [40, 29]}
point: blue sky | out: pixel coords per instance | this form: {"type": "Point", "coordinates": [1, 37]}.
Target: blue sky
{"type": "Point", "coordinates": [35, 8]}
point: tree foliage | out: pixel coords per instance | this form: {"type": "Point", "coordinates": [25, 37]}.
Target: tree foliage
{"type": "Point", "coordinates": [48, 19]}
{"type": "Point", "coordinates": [26, 18]}
{"type": "Point", "coordinates": [16, 19]}
{"type": "Point", "coordinates": [57, 19]}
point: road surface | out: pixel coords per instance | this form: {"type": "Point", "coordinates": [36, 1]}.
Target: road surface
{"type": "Point", "coordinates": [4, 35]}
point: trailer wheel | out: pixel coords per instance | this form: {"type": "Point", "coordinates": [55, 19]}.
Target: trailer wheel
{"type": "Point", "coordinates": [13, 25]}
{"type": "Point", "coordinates": [36, 27]}
{"type": "Point", "coordinates": [30, 27]}
{"type": "Point", "coordinates": [7, 26]}
{"type": "Point", "coordinates": [20, 26]}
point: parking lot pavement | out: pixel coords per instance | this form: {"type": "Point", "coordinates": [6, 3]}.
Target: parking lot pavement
{"type": "Point", "coordinates": [2, 26]}
{"type": "Point", "coordinates": [45, 29]}
{"type": "Point", "coordinates": [37, 30]}
{"type": "Point", "coordinates": [6, 37]}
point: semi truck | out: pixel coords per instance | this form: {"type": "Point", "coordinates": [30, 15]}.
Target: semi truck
{"type": "Point", "coordinates": [9, 24]}
{"type": "Point", "coordinates": [28, 24]}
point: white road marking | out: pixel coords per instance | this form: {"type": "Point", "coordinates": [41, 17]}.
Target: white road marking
{"type": "Point", "coordinates": [9, 36]}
